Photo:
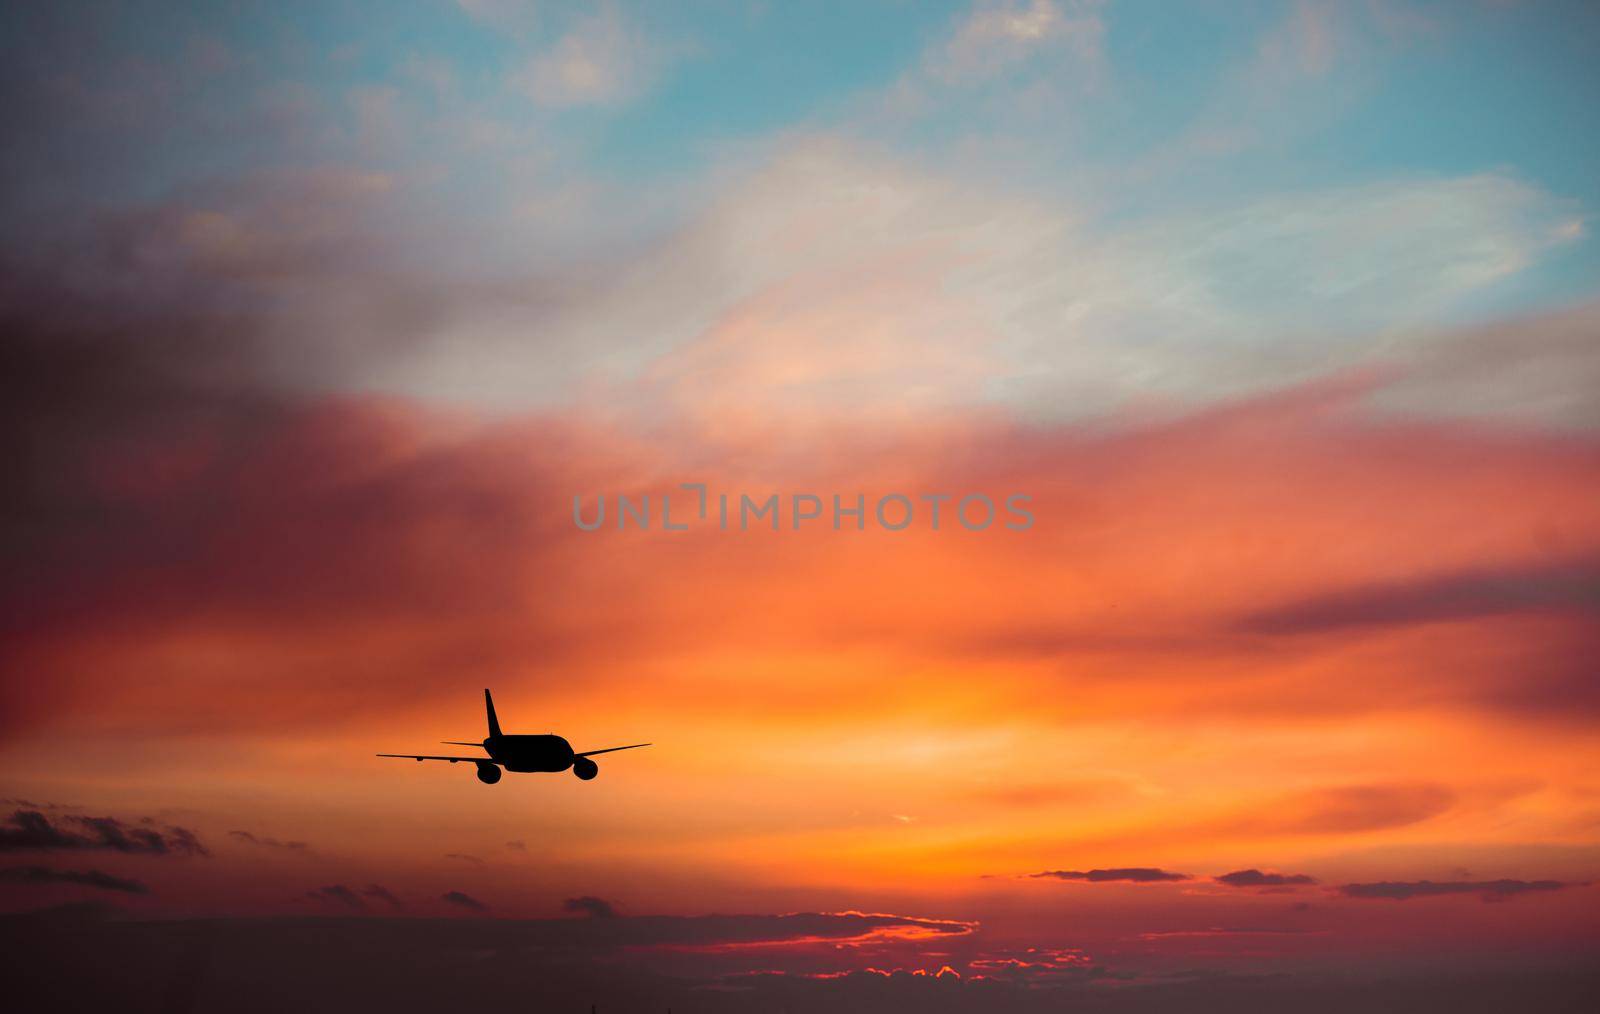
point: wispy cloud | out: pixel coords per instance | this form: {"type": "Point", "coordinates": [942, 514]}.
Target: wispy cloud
{"type": "Point", "coordinates": [602, 59]}
{"type": "Point", "coordinates": [30, 830]}
{"type": "Point", "coordinates": [589, 905]}
{"type": "Point", "coordinates": [83, 878]}
{"type": "Point", "coordinates": [1350, 808]}
{"type": "Point", "coordinates": [1565, 585]}
{"type": "Point", "coordinates": [1488, 890]}
{"type": "Point", "coordinates": [267, 841]}
{"type": "Point", "coordinates": [338, 894]}
{"type": "Point", "coordinates": [463, 900]}
{"type": "Point", "coordinates": [1221, 931]}
{"type": "Point", "coordinates": [998, 34]}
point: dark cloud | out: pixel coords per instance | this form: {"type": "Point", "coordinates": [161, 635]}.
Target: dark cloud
{"type": "Point", "coordinates": [269, 842]}
{"type": "Point", "coordinates": [517, 845]}
{"type": "Point", "coordinates": [1255, 878]}
{"type": "Point", "coordinates": [141, 436]}
{"type": "Point", "coordinates": [30, 830]}
{"type": "Point", "coordinates": [340, 895]}
{"type": "Point", "coordinates": [382, 893]}
{"type": "Point", "coordinates": [87, 878]}
{"type": "Point", "coordinates": [1546, 587]}
{"type": "Point", "coordinates": [589, 905]}
{"type": "Point", "coordinates": [464, 857]}
{"type": "Point", "coordinates": [403, 966]}
{"type": "Point", "coordinates": [1133, 874]}
{"type": "Point", "coordinates": [1489, 890]}
{"type": "Point", "coordinates": [464, 900]}
{"type": "Point", "coordinates": [155, 417]}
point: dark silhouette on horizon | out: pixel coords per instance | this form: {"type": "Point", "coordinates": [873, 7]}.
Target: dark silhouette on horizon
{"type": "Point", "coordinates": [521, 753]}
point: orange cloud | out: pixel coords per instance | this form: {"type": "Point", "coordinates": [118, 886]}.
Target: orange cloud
{"type": "Point", "coordinates": [1099, 687]}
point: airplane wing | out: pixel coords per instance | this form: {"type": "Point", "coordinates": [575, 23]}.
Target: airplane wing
{"type": "Point", "coordinates": [611, 749]}
{"type": "Point", "coordinates": [453, 760]}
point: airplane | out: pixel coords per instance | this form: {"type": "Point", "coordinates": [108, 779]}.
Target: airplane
{"type": "Point", "coordinates": [521, 753]}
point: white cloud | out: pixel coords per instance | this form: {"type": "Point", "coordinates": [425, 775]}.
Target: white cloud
{"type": "Point", "coordinates": [833, 279]}
{"type": "Point", "coordinates": [1022, 56]}
{"type": "Point", "coordinates": [996, 35]}
{"type": "Point", "coordinates": [601, 60]}
{"type": "Point", "coordinates": [1204, 305]}
{"type": "Point", "coordinates": [1321, 59]}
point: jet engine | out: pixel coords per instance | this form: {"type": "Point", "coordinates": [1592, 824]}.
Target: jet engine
{"type": "Point", "coordinates": [488, 774]}
{"type": "Point", "coordinates": [585, 768]}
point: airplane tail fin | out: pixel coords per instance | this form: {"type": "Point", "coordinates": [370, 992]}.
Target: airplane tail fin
{"type": "Point", "coordinates": [494, 723]}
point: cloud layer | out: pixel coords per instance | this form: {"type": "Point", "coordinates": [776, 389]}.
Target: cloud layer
{"type": "Point", "coordinates": [32, 831]}
{"type": "Point", "coordinates": [83, 878]}
{"type": "Point", "coordinates": [1488, 890]}
{"type": "Point", "coordinates": [1130, 874]}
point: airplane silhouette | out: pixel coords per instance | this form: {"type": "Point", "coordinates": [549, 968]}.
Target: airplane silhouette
{"type": "Point", "coordinates": [521, 753]}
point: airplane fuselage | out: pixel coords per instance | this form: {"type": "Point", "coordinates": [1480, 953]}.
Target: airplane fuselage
{"type": "Point", "coordinates": [530, 753]}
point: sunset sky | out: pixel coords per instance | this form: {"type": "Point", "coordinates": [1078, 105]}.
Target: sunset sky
{"type": "Point", "coordinates": [1284, 316]}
